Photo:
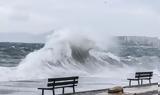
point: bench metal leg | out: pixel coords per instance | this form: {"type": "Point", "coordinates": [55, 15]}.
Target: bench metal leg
{"type": "Point", "coordinates": [129, 82]}
{"type": "Point", "coordinates": [149, 81]}
{"type": "Point", "coordinates": [141, 81]}
{"type": "Point", "coordinates": [138, 82]}
{"type": "Point", "coordinates": [53, 92]}
{"type": "Point", "coordinates": [42, 91]}
{"type": "Point", "coordinates": [73, 89]}
{"type": "Point", "coordinates": [63, 91]}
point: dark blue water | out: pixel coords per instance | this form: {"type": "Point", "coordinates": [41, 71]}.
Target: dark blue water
{"type": "Point", "coordinates": [12, 53]}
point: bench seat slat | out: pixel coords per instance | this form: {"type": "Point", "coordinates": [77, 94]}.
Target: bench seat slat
{"type": "Point", "coordinates": [57, 87]}
{"type": "Point", "coordinates": [143, 75]}
{"type": "Point", "coordinates": [133, 79]}
{"type": "Point", "coordinates": [144, 72]}
{"type": "Point", "coordinates": [46, 88]}
{"type": "Point", "coordinates": [145, 78]}
{"type": "Point", "coordinates": [61, 79]}
{"type": "Point", "coordinates": [65, 86]}
{"type": "Point", "coordinates": [62, 83]}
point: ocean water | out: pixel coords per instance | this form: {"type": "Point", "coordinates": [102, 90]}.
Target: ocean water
{"type": "Point", "coordinates": [25, 67]}
{"type": "Point", "coordinates": [12, 53]}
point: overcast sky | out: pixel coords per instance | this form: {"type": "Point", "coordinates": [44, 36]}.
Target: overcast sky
{"type": "Point", "coordinates": [36, 18]}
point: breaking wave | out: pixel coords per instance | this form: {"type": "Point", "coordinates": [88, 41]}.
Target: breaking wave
{"type": "Point", "coordinates": [66, 54]}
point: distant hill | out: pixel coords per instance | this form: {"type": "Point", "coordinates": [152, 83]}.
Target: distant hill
{"type": "Point", "coordinates": [153, 42]}
{"type": "Point", "coordinates": [137, 46]}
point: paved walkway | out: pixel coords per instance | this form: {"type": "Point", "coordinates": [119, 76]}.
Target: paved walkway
{"type": "Point", "coordinates": [134, 90]}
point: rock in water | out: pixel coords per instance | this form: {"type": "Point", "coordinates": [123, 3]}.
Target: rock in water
{"type": "Point", "coordinates": [117, 89]}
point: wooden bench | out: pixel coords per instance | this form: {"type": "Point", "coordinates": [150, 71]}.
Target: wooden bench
{"type": "Point", "coordinates": [140, 76]}
{"type": "Point", "coordinates": [54, 83]}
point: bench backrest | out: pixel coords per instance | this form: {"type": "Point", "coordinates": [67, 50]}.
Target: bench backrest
{"type": "Point", "coordinates": [65, 81]}
{"type": "Point", "coordinates": [143, 74]}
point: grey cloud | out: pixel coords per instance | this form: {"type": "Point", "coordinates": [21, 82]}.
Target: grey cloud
{"type": "Point", "coordinates": [117, 17]}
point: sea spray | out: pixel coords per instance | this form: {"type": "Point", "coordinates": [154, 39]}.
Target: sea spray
{"type": "Point", "coordinates": [65, 53]}
{"type": "Point", "coordinates": [70, 53]}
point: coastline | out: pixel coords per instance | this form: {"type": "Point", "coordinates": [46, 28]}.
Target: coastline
{"type": "Point", "coordinates": [30, 88]}
{"type": "Point", "coordinates": [146, 89]}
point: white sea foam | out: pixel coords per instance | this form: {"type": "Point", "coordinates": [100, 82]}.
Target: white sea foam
{"type": "Point", "coordinates": [65, 53]}
{"type": "Point", "coordinates": [69, 53]}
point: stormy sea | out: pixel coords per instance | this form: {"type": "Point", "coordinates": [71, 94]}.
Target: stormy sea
{"type": "Point", "coordinates": [26, 66]}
